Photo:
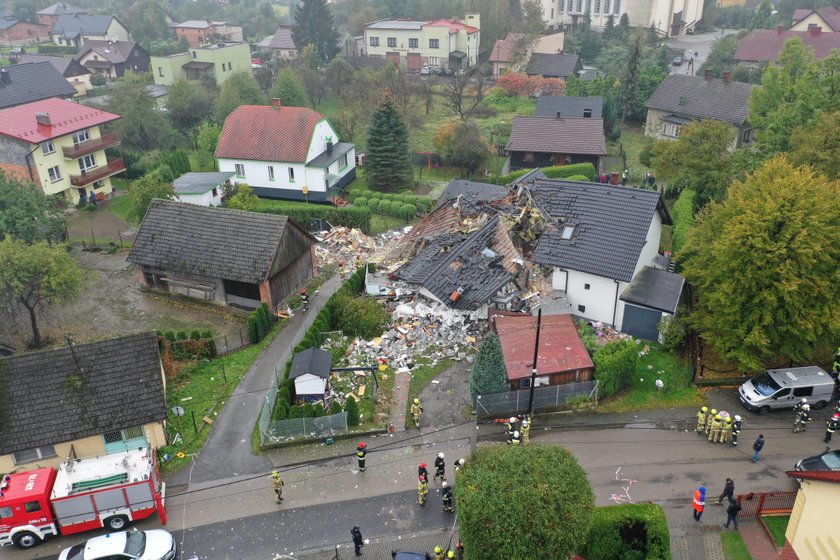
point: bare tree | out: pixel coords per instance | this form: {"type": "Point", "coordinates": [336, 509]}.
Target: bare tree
{"type": "Point", "coordinates": [426, 91]}
{"type": "Point", "coordinates": [459, 97]}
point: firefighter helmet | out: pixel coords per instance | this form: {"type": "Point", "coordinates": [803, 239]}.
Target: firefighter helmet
{"type": "Point", "coordinates": [717, 416]}
{"type": "Point", "coordinates": [512, 419]}
{"type": "Point", "coordinates": [416, 401]}
{"type": "Point", "coordinates": [303, 291]}
{"type": "Point", "coordinates": [806, 407]}
{"type": "Point", "coordinates": [438, 550]}
{"type": "Point", "coordinates": [516, 434]}
{"type": "Point", "coordinates": [450, 554]}
{"type": "Point", "coordinates": [714, 412]}
{"type": "Point", "coordinates": [362, 445]}
{"type": "Point", "coordinates": [804, 400]}
{"type": "Point", "coordinates": [422, 465]}
{"type": "Point", "coordinates": [737, 418]}
{"type": "Point", "coordinates": [275, 474]}
{"type": "Point", "coordinates": [704, 410]}
{"type": "Point", "coordinates": [462, 461]}
{"type": "Point", "coordinates": [440, 455]}
{"type": "Point", "coordinates": [728, 420]}
{"type": "Point", "coordinates": [445, 484]}
{"type": "Point", "coordinates": [524, 423]}
{"type": "Point", "coordinates": [835, 416]}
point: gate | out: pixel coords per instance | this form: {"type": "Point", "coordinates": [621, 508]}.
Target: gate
{"type": "Point", "coordinates": [393, 57]}
{"type": "Point", "coordinates": [414, 61]}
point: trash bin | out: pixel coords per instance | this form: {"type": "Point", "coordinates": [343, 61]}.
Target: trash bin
{"type": "Point", "coordinates": [614, 178]}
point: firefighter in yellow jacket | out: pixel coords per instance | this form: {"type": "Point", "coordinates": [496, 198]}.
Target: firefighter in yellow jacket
{"type": "Point", "coordinates": [714, 431]}
{"type": "Point", "coordinates": [422, 490]}
{"type": "Point", "coordinates": [416, 412]}
{"type": "Point", "coordinates": [701, 419]}
{"type": "Point", "coordinates": [709, 419]}
{"type": "Point", "coordinates": [278, 486]}
{"type": "Point", "coordinates": [725, 429]}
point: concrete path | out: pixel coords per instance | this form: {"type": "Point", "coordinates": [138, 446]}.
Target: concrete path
{"type": "Point", "coordinates": [228, 451]}
{"type": "Point", "coordinates": [399, 402]}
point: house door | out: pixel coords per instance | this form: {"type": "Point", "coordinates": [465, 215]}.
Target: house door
{"type": "Point", "coordinates": [414, 61]}
{"type": "Point", "coordinates": [123, 440]}
{"type": "Point", "coordinates": [393, 57]}
{"type": "Point", "coordinates": [641, 322]}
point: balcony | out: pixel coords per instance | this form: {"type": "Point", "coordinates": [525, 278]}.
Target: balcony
{"type": "Point", "coordinates": [98, 173]}
{"type": "Point", "coordinates": [93, 145]}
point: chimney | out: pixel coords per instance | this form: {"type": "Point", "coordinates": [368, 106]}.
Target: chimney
{"type": "Point", "coordinates": [43, 118]}
{"type": "Point", "coordinates": [707, 75]}
{"type": "Point", "coordinates": [276, 103]}
{"type": "Point", "coordinates": [814, 30]}
{"type": "Point", "coordinates": [5, 77]}
{"type": "Point", "coordinates": [329, 147]}
{"type": "Point", "coordinates": [780, 29]}
{"type": "Point", "coordinates": [557, 115]}
{"type": "Point", "coordinates": [725, 77]}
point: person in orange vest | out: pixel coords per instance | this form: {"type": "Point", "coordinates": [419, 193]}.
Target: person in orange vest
{"type": "Point", "coordinates": [699, 502]}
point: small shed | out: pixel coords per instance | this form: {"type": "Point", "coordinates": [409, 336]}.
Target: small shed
{"type": "Point", "coordinates": [205, 189]}
{"type": "Point", "coordinates": [650, 296]}
{"type": "Point", "coordinates": [311, 373]}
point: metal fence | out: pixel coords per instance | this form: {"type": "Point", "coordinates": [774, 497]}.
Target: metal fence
{"type": "Point", "coordinates": [551, 397]}
{"type": "Point", "coordinates": [762, 503]}
{"type": "Point", "coordinates": [228, 342]}
{"type": "Point", "coordinates": [277, 431]}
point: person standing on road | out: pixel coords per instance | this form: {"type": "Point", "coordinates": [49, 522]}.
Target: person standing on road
{"type": "Point", "coordinates": [736, 430]}
{"type": "Point", "coordinates": [358, 541]}
{"type": "Point", "coordinates": [440, 468]}
{"type": "Point", "coordinates": [416, 412]}
{"type": "Point", "coordinates": [361, 453]}
{"type": "Point", "coordinates": [802, 421]}
{"type": "Point", "coordinates": [757, 447]}
{"type": "Point", "coordinates": [278, 486]}
{"type": "Point", "coordinates": [714, 432]}
{"type": "Point", "coordinates": [728, 491]}
{"type": "Point", "coordinates": [701, 419]}
{"type": "Point", "coordinates": [423, 472]}
{"type": "Point", "coordinates": [699, 502]}
{"type": "Point", "coordinates": [447, 498]}
{"type": "Point", "coordinates": [439, 553]}
{"type": "Point", "coordinates": [709, 419]}
{"type": "Point", "coordinates": [726, 429]}
{"type": "Point", "coordinates": [797, 410]}
{"type": "Point", "coordinates": [422, 490]}
{"type": "Point", "coordinates": [510, 427]}
{"type": "Point", "coordinates": [526, 432]}
{"type": "Point", "coordinates": [732, 513]}
{"type": "Point", "coordinates": [832, 424]}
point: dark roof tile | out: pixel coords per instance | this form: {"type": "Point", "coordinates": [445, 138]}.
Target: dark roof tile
{"type": "Point", "coordinates": [312, 360]}
{"type": "Point", "coordinates": [554, 65]}
{"type": "Point", "coordinates": [473, 195]}
{"type": "Point", "coordinates": [655, 288]}
{"type": "Point", "coordinates": [699, 98]}
{"type": "Point", "coordinates": [569, 107]}
{"type": "Point", "coordinates": [32, 82]}
{"type": "Point", "coordinates": [557, 136]}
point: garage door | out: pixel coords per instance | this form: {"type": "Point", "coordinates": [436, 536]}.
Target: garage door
{"type": "Point", "coordinates": [414, 61]}
{"type": "Point", "coordinates": [641, 322]}
{"type": "Point", "coordinates": [393, 57]}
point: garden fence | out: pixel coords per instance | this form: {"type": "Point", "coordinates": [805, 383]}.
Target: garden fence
{"type": "Point", "coordinates": [763, 503]}
{"type": "Point", "coordinates": [516, 402]}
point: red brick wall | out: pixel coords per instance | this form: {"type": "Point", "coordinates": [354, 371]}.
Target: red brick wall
{"type": "Point", "coordinates": [21, 172]}
{"type": "Point", "coordinates": [24, 31]}
{"type": "Point", "coordinates": [195, 37]}
{"type": "Point", "coordinates": [265, 295]}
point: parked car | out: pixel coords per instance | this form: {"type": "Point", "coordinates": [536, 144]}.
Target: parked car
{"type": "Point", "coordinates": [828, 461]}
{"type": "Point", "coordinates": [784, 387]}
{"type": "Point", "coordinates": [678, 60]}
{"type": "Point", "coordinates": [156, 544]}
{"type": "Point", "coordinates": [425, 71]}
{"type": "Point", "coordinates": [441, 71]}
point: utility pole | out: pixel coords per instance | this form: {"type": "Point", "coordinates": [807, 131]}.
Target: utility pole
{"type": "Point", "coordinates": [534, 365]}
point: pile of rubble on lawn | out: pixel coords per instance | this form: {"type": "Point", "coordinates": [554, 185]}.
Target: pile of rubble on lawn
{"type": "Point", "coordinates": [352, 247]}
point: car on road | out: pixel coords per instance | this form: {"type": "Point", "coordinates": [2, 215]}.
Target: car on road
{"type": "Point", "coordinates": [785, 387]}
{"type": "Point", "coordinates": [156, 544]}
{"type": "Point", "coordinates": [441, 71]}
{"type": "Point", "coordinates": [425, 71]}
{"type": "Point", "coordinates": [828, 461]}
{"type": "Point", "coordinates": [678, 60]}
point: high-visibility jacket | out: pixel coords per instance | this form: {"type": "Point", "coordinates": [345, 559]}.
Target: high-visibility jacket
{"type": "Point", "coordinates": [736, 427]}
{"type": "Point", "coordinates": [360, 453]}
{"type": "Point", "coordinates": [516, 440]}
{"type": "Point", "coordinates": [716, 424]}
{"type": "Point", "coordinates": [832, 425]}
{"type": "Point", "coordinates": [701, 418]}
{"type": "Point", "coordinates": [699, 500]}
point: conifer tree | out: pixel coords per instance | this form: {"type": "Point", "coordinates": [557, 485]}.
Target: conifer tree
{"type": "Point", "coordinates": [489, 374]}
{"type": "Point", "coordinates": [314, 25]}
{"type": "Point", "coordinates": [388, 165]}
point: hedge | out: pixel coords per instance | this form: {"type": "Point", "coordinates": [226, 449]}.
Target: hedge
{"type": "Point", "coordinates": [59, 50]}
{"type": "Point", "coordinates": [303, 213]}
{"type": "Point", "coordinates": [615, 364]}
{"type": "Point", "coordinates": [583, 178]}
{"type": "Point", "coordinates": [362, 197]}
{"type": "Point", "coordinates": [683, 216]}
{"type": "Point", "coordinates": [629, 532]}
{"type": "Point", "coordinates": [567, 171]}
{"type": "Point", "coordinates": [199, 345]}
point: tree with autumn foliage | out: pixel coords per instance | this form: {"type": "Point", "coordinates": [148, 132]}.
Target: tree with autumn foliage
{"type": "Point", "coordinates": [461, 144]}
{"type": "Point", "coordinates": [517, 84]}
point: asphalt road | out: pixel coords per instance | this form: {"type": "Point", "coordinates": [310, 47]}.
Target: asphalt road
{"type": "Point", "coordinates": [701, 44]}
{"type": "Point", "coordinates": [660, 461]}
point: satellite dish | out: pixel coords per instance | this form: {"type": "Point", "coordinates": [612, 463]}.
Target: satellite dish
{"type": "Point", "coordinates": [177, 411]}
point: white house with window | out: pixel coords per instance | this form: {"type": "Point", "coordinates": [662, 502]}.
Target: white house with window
{"type": "Point", "coordinates": [289, 153]}
{"type": "Point", "coordinates": [668, 17]}
{"type": "Point", "coordinates": [204, 189]}
{"type": "Point", "coordinates": [91, 399]}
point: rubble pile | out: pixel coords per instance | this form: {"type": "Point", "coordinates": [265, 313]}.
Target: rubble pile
{"type": "Point", "coordinates": [351, 246]}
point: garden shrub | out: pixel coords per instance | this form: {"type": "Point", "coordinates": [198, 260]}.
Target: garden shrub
{"type": "Point", "coordinates": [169, 335]}
{"type": "Point", "coordinates": [615, 363]}
{"type": "Point", "coordinates": [284, 396]}
{"type": "Point", "coordinates": [319, 410]}
{"type": "Point", "coordinates": [303, 214]}
{"type": "Point", "coordinates": [671, 331]}
{"type": "Point", "coordinates": [253, 329]}
{"type": "Point", "coordinates": [207, 334]}
{"type": "Point", "coordinates": [195, 335]}
{"type": "Point", "coordinates": [295, 412]}
{"type": "Point", "coordinates": [351, 407]}
{"type": "Point", "coordinates": [583, 178]}
{"type": "Point", "coordinates": [98, 80]}
{"type": "Point", "coordinates": [587, 336]}
{"type": "Point", "coordinates": [308, 410]}
{"type": "Point", "coordinates": [181, 335]}
{"type": "Point", "coordinates": [567, 171]}
{"type": "Point", "coordinates": [373, 204]}
{"type": "Point", "coordinates": [384, 207]}
{"type": "Point", "coordinates": [335, 407]}
{"type": "Point", "coordinates": [361, 202]}
{"type": "Point", "coordinates": [629, 532]}
{"type": "Point", "coordinates": [683, 217]}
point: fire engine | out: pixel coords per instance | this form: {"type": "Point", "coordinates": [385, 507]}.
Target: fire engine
{"type": "Point", "coordinates": [81, 495]}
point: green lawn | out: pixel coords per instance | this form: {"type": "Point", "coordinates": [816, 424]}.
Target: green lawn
{"type": "Point", "coordinates": [122, 207]}
{"type": "Point", "coordinates": [734, 547]}
{"type": "Point", "coordinates": [674, 372]}
{"type": "Point", "coordinates": [200, 388]}
{"type": "Point", "coordinates": [777, 524]}
{"type": "Point", "coordinates": [422, 375]}
{"type": "Point", "coordinates": [634, 141]}
{"type": "Point", "coordinates": [380, 223]}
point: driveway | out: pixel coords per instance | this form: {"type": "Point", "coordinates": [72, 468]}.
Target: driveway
{"type": "Point", "coordinates": [701, 44]}
{"type": "Point", "coordinates": [446, 400]}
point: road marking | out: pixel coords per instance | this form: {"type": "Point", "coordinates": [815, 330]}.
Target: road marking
{"type": "Point", "coordinates": [625, 497]}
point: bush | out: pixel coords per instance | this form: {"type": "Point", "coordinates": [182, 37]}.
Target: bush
{"type": "Point", "coordinates": [408, 211]}
{"type": "Point", "coordinates": [308, 410]}
{"type": "Point", "coordinates": [304, 214]}
{"type": "Point", "coordinates": [354, 316]}
{"type": "Point", "coordinates": [295, 412]}
{"type": "Point", "coordinates": [169, 335]}
{"type": "Point", "coordinates": [207, 334]}
{"type": "Point", "coordinates": [587, 336]}
{"type": "Point", "coordinates": [181, 335]}
{"type": "Point", "coordinates": [567, 171]}
{"type": "Point", "coordinates": [578, 178]}
{"type": "Point", "coordinates": [683, 216]}
{"type": "Point", "coordinates": [615, 363]}
{"type": "Point", "coordinates": [319, 410]}
{"type": "Point", "coordinates": [351, 407]}
{"type": "Point", "coordinates": [629, 532]}
{"type": "Point", "coordinates": [335, 407]}
{"type": "Point", "coordinates": [253, 329]}
{"type": "Point", "coordinates": [671, 331]}
{"type": "Point", "coordinates": [384, 207]}
{"type": "Point", "coordinates": [57, 50]}
{"type": "Point", "coordinates": [361, 201]}
{"type": "Point", "coordinates": [98, 80]}
{"type": "Point", "coordinates": [373, 204]}
{"type": "Point", "coordinates": [284, 396]}
{"type": "Point", "coordinates": [195, 335]}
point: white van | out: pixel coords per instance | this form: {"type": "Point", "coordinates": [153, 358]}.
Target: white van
{"type": "Point", "coordinates": [783, 388]}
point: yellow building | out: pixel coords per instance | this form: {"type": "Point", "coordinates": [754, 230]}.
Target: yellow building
{"type": "Point", "coordinates": [60, 146]}
{"type": "Point", "coordinates": [91, 399]}
{"type": "Point", "coordinates": [216, 62]}
{"type": "Point", "coordinates": [446, 43]}
{"type": "Point", "coordinates": [812, 530]}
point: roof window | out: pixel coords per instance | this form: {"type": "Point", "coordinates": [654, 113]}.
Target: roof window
{"type": "Point", "coordinates": [567, 232]}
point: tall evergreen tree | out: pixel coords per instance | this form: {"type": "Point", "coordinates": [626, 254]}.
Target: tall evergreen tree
{"type": "Point", "coordinates": [609, 28]}
{"type": "Point", "coordinates": [314, 25]}
{"type": "Point", "coordinates": [628, 91]}
{"type": "Point", "coordinates": [489, 374]}
{"type": "Point", "coordinates": [388, 165]}
{"type": "Point", "coordinates": [624, 25]}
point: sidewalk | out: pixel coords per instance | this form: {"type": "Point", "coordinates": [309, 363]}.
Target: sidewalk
{"type": "Point", "coordinates": [228, 450]}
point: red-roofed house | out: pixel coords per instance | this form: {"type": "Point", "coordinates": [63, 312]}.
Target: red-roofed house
{"type": "Point", "coordinates": [764, 45]}
{"type": "Point", "coordinates": [812, 529]}
{"type": "Point", "coordinates": [506, 52]}
{"type": "Point", "coordinates": [828, 18]}
{"type": "Point", "coordinates": [286, 152]}
{"type": "Point", "coordinates": [562, 358]}
{"type": "Point", "coordinates": [59, 146]}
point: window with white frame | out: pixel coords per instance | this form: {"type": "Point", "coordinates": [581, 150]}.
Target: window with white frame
{"type": "Point", "coordinates": [30, 455]}
{"type": "Point", "coordinates": [672, 130]}
{"type": "Point", "coordinates": [291, 174]}
{"type": "Point", "coordinates": [47, 147]}
{"type": "Point", "coordinates": [434, 61]}
{"type": "Point", "coordinates": [561, 5]}
{"type": "Point", "coordinates": [617, 7]}
{"type": "Point", "coordinates": [392, 42]}
{"type": "Point", "coordinates": [606, 7]}
{"type": "Point", "coordinates": [413, 43]}
{"type": "Point", "coordinates": [571, 6]}
{"type": "Point", "coordinates": [81, 136]}
{"type": "Point", "coordinates": [239, 169]}
{"type": "Point", "coordinates": [588, 6]}
{"type": "Point", "coordinates": [87, 162]}
{"type": "Point", "coordinates": [54, 173]}
{"type": "Point", "coordinates": [434, 43]}
{"type": "Point", "coordinates": [597, 9]}
{"type": "Point", "coordinates": [270, 172]}
{"type": "Point", "coordinates": [579, 6]}
{"type": "Point", "coordinates": [374, 41]}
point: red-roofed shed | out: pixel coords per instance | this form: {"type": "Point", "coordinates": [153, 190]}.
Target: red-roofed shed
{"type": "Point", "coordinates": [562, 358]}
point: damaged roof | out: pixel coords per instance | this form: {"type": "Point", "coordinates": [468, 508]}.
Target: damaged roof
{"type": "Point", "coordinates": [473, 195]}
{"type": "Point", "coordinates": [655, 288]}
{"type": "Point", "coordinates": [561, 349]}
{"type": "Point", "coordinates": [609, 226]}
{"type": "Point", "coordinates": [477, 265]}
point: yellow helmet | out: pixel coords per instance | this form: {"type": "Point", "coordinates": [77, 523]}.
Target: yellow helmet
{"type": "Point", "coordinates": [438, 550]}
{"type": "Point", "coordinates": [416, 401]}
{"type": "Point", "coordinates": [450, 554]}
{"type": "Point", "coordinates": [275, 474]}
{"type": "Point", "coordinates": [704, 409]}
{"type": "Point", "coordinates": [717, 417]}
{"type": "Point", "coordinates": [728, 419]}
{"type": "Point", "coordinates": [714, 412]}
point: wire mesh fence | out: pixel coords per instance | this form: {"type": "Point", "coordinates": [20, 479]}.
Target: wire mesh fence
{"type": "Point", "coordinates": [545, 398]}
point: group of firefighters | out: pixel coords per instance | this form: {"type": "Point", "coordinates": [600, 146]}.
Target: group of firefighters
{"type": "Point", "coordinates": [440, 471]}
{"type": "Point", "coordinates": [521, 436]}
{"type": "Point", "coordinates": [718, 426]}
{"type": "Point", "coordinates": [802, 417]}
{"type": "Point", "coordinates": [458, 553]}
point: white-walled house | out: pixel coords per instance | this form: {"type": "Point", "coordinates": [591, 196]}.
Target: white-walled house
{"type": "Point", "coordinates": [602, 237]}
{"type": "Point", "coordinates": [311, 372]}
{"type": "Point", "coordinates": [290, 153]}
{"type": "Point", "coordinates": [204, 189]}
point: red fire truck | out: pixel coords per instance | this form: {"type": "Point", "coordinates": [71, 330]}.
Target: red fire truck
{"type": "Point", "coordinates": [82, 494]}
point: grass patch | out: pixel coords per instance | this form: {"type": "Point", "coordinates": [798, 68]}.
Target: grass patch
{"type": "Point", "coordinates": [204, 385]}
{"type": "Point", "coordinates": [422, 375]}
{"type": "Point", "coordinates": [777, 525]}
{"type": "Point", "coordinates": [380, 223]}
{"type": "Point", "coordinates": [633, 140]}
{"type": "Point", "coordinates": [734, 547]}
{"type": "Point", "coordinates": [122, 207]}
{"type": "Point", "coordinates": [642, 394]}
